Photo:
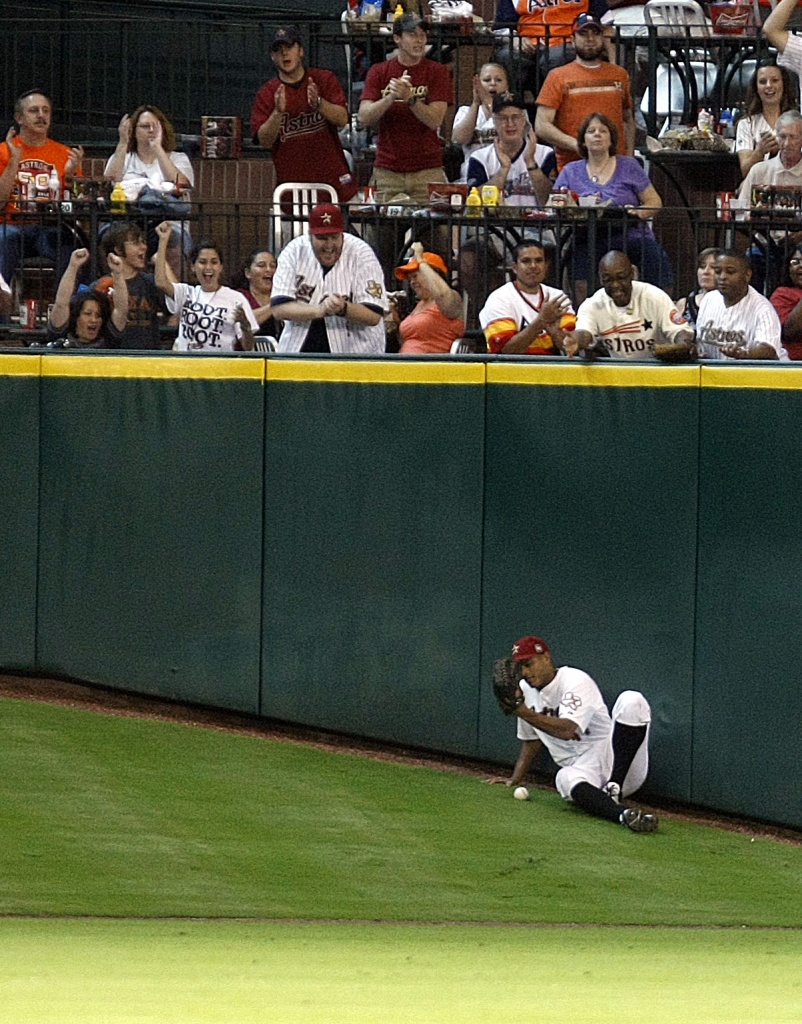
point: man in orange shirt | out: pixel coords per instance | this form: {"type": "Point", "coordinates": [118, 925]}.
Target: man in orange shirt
{"type": "Point", "coordinates": [588, 85]}
{"type": "Point", "coordinates": [28, 154]}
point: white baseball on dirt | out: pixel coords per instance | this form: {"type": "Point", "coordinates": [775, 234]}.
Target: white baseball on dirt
{"type": "Point", "coordinates": [521, 793]}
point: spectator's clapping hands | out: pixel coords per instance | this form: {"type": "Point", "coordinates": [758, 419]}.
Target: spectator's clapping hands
{"type": "Point", "coordinates": [530, 147]}
{"type": "Point", "coordinates": [312, 95]}
{"type": "Point", "coordinates": [74, 160]}
{"type": "Point", "coordinates": [15, 153]}
{"type": "Point", "coordinates": [503, 159]}
{"type": "Point", "coordinates": [401, 88]}
{"type": "Point", "coordinates": [332, 305]}
{"type": "Point", "coordinates": [280, 100]}
{"type": "Point", "coordinates": [124, 130]}
{"type": "Point", "coordinates": [552, 310]}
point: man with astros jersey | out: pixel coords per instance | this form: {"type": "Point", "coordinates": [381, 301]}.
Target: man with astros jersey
{"type": "Point", "coordinates": [329, 290]}
{"type": "Point", "coordinates": [297, 116]}
{"type": "Point", "coordinates": [626, 317]}
{"type": "Point", "coordinates": [735, 321]}
{"type": "Point", "coordinates": [525, 316]}
{"type": "Point", "coordinates": [600, 756]}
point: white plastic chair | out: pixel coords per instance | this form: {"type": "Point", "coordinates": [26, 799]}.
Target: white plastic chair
{"type": "Point", "coordinates": [265, 343]}
{"type": "Point", "coordinates": [678, 18]}
{"type": "Point", "coordinates": [688, 75]}
{"type": "Point", "coordinates": [294, 199]}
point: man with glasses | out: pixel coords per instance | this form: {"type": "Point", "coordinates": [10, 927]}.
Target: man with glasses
{"type": "Point", "coordinates": [784, 171]}
{"type": "Point", "coordinates": [516, 163]}
{"type": "Point", "coordinates": [590, 84]}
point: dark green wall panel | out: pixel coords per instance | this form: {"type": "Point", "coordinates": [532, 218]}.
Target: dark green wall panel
{"type": "Point", "coordinates": [373, 504]}
{"type": "Point", "coordinates": [150, 573]}
{"type": "Point", "coordinates": [590, 525]}
{"type": "Point", "coordinates": [19, 509]}
{"type": "Point", "coordinates": [748, 700]}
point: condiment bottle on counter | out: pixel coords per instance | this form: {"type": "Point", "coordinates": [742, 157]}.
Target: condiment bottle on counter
{"type": "Point", "coordinates": [473, 203]}
{"type": "Point", "coordinates": [119, 200]}
{"type": "Point", "coordinates": [53, 186]}
{"type": "Point", "coordinates": [704, 120]}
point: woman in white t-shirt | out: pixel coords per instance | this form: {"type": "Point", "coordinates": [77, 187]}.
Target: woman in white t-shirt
{"type": "Point", "coordinates": [146, 157]}
{"type": "Point", "coordinates": [770, 92]}
{"type": "Point", "coordinates": [211, 317]}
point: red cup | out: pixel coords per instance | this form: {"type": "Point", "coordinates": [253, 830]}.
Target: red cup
{"type": "Point", "coordinates": [723, 211]}
{"type": "Point", "coordinates": [27, 314]}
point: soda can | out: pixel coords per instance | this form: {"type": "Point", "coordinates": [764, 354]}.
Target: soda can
{"type": "Point", "coordinates": [723, 211]}
{"type": "Point", "coordinates": [27, 314]}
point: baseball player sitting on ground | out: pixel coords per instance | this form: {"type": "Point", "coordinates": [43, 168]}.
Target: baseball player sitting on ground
{"type": "Point", "coordinates": [599, 760]}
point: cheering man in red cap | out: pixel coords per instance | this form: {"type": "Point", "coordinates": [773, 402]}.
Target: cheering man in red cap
{"type": "Point", "coordinates": [297, 116]}
{"type": "Point", "coordinates": [598, 760]}
{"type": "Point", "coordinates": [329, 288]}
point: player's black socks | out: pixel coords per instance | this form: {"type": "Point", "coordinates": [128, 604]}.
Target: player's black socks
{"type": "Point", "coordinates": [627, 740]}
{"type": "Point", "coordinates": [595, 802]}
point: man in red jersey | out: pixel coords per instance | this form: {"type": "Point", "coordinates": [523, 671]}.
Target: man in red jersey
{"type": "Point", "coordinates": [406, 98]}
{"type": "Point", "coordinates": [297, 116]}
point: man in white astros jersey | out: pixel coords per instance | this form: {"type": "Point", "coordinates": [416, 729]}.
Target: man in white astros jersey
{"type": "Point", "coordinates": [626, 318]}
{"type": "Point", "coordinates": [329, 289]}
{"type": "Point", "coordinates": [735, 321]}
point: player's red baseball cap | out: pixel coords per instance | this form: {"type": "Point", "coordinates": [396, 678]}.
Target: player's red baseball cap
{"type": "Point", "coordinates": [527, 647]}
{"type": "Point", "coordinates": [325, 219]}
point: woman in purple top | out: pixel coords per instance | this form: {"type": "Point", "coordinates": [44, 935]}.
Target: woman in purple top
{"type": "Point", "coordinates": [621, 182]}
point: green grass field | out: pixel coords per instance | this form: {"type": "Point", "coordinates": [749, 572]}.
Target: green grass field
{"type": "Point", "coordinates": [371, 891]}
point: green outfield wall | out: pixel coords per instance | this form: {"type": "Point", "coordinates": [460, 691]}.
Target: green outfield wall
{"type": "Point", "coordinates": [349, 544]}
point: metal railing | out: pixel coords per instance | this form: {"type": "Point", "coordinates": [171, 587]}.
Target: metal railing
{"type": "Point", "coordinates": [191, 64]}
{"type": "Point", "coordinates": [479, 250]}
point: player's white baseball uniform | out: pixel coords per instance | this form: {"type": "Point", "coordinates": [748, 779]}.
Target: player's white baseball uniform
{"type": "Point", "coordinates": [631, 331]}
{"type": "Point", "coordinates": [753, 319]}
{"type": "Point", "coordinates": [357, 274]}
{"type": "Point", "coordinates": [509, 309]}
{"type": "Point", "coordinates": [573, 694]}
{"type": "Point", "coordinates": [206, 319]}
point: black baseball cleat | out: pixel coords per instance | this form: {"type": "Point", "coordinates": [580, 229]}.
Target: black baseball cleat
{"type": "Point", "coordinates": [638, 821]}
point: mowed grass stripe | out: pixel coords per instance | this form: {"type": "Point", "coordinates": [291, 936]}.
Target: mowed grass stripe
{"type": "Point", "coordinates": [120, 816]}
{"type": "Point", "coordinates": [110, 972]}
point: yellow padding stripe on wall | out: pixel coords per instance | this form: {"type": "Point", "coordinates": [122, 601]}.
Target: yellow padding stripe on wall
{"type": "Point", "coordinates": [160, 367]}
{"type": "Point", "coordinates": [603, 375]}
{"type": "Point", "coordinates": [20, 366]}
{"type": "Point", "coordinates": [375, 371]}
{"type": "Point", "coordinates": [771, 377]}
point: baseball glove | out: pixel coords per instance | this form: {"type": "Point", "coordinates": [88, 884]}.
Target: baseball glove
{"type": "Point", "coordinates": [506, 677]}
{"type": "Point", "coordinates": [675, 352]}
